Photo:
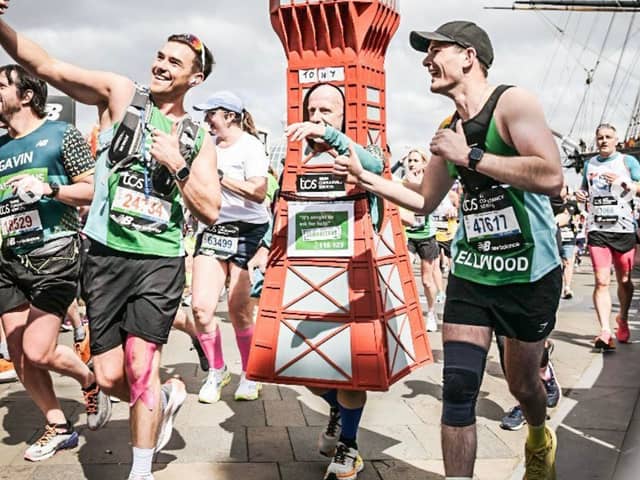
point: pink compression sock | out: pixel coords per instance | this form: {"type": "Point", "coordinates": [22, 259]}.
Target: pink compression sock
{"type": "Point", "coordinates": [243, 339]}
{"type": "Point", "coordinates": [212, 345]}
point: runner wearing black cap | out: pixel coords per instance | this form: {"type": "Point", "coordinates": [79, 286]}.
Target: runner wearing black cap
{"type": "Point", "coordinates": [505, 265]}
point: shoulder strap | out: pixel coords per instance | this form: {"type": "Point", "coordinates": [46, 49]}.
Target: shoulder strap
{"type": "Point", "coordinates": [127, 140]}
{"type": "Point", "coordinates": [187, 135]}
{"type": "Point", "coordinates": [475, 131]}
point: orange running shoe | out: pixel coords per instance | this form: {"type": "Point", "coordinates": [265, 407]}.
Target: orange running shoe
{"type": "Point", "coordinates": [7, 371]}
{"type": "Point", "coordinates": [82, 347]}
{"type": "Point", "coordinates": [622, 333]}
{"type": "Point", "coordinates": [604, 341]}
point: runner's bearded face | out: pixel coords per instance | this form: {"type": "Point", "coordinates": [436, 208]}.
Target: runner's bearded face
{"type": "Point", "coordinates": [606, 140]}
{"type": "Point", "coordinates": [173, 69]}
{"type": "Point", "coordinates": [9, 99]}
{"type": "Point", "coordinates": [444, 62]}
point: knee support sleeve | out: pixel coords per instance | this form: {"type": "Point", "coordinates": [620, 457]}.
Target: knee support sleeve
{"type": "Point", "coordinates": [139, 378]}
{"type": "Point", "coordinates": [463, 369]}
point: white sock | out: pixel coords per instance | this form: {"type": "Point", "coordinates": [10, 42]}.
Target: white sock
{"type": "Point", "coordinates": [142, 459]}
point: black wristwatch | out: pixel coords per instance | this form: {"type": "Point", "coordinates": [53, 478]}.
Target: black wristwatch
{"type": "Point", "coordinates": [475, 155]}
{"type": "Point", "coordinates": [55, 188]}
{"type": "Point", "coordinates": [220, 175]}
{"type": "Point", "coordinates": [182, 174]}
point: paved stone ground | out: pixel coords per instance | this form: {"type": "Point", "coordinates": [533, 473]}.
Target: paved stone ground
{"type": "Point", "coordinates": [275, 437]}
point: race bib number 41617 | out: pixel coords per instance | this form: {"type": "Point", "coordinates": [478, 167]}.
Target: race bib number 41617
{"type": "Point", "coordinates": [491, 224]}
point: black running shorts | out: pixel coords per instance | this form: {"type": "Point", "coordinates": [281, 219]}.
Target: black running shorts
{"type": "Point", "coordinates": [524, 311]}
{"type": "Point", "coordinates": [130, 293]}
{"type": "Point", "coordinates": [233, 242]}
{"type": "Point", "coordinates": [47, 282]}
{"type": "Point", "coordinates": [426, 248]}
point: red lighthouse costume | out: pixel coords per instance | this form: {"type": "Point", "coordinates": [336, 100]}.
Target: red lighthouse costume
{"type": "Point", "coordinates": [339, 306]}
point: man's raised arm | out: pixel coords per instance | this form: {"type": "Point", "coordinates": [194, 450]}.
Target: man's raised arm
{"type": "Point", "coordinates": [110, 92]}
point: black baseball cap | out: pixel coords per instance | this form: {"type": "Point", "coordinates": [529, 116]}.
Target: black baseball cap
{"type": "Point", "coordinates": [463, 33]}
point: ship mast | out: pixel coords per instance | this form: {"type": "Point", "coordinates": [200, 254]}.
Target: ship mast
{"type": "Point", "coordinates": [576, 6]}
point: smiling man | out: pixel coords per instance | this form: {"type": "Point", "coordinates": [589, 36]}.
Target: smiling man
{"type": "Point", "coordinates": [151, 159]}
{"type": "Point", "coordinates": [505, 274]}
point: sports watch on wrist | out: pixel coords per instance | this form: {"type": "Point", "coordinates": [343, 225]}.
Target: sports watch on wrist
{"type": "Point", "coordinates": [475, 155]}
{"type": "Point", "coordinates": [220, 174]}
{"type": "Point", "coordinates": [55, 188]}
{"type": "Point", "coordinates": [182, 174]}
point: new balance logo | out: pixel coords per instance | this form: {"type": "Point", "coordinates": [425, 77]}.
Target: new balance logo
{"type": "Point", "coordinates": [42, 143]}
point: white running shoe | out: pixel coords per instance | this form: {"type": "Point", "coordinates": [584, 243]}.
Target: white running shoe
{"type": "Point", "coordinates": [175, 394]}
{"type": "Point", "coordinates": [51, 441]}
{"type": "Point", "coordinates": [432, 322]}
{"type": "Point", "coordinates": [346, 464]}
{"type": "Point", "coordinates": [212, 387]}
{"type": "Point", "coordinates": [247, 389]}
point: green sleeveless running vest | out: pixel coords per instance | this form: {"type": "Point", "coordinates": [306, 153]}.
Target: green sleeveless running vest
{"type": "Point", "coordinates": [506, 235]}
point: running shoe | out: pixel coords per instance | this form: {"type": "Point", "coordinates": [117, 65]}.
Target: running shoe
{"type": "Point", "coordinates": [622, 333]}
{"type": "Point", "coordinates": [66, 325]}
{"type": "Point", "coordinates": [247, 389]}
{"type": "Point", "coordinates": [432, 322]}
{"type": "Point", "coordinates": [513, 420]}
{"type": "Point", "coordinates": [98, 405]}
{"type": "Point", "coordinates": [541, 464]}
{"type": "Point", "coordinates": [54, 438]}
{"type": "Point", "coordinates": [82, 347]}
{"type": "Point", "coordinates": [567, 295]}
{"type": "Point", "coordinates": [204, 363]}
{"type": "Point", "coordinates": [175, 393]}
{"type": "Point", "coordinates": [552, 387]}
{"type": "Point", "coordinates": [346, 464]}
{"type": "Point", "coordinates": [211, 389]}
{"type": "Point", "coordinates": [7, 371]}
{"type": "Point", "coordinates": [328, 439]}
{"type": "Point", "coordinates": [604, 341]}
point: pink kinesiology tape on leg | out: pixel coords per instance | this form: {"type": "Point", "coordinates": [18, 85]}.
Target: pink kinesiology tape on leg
{"type": "Point", "coordinates": [211, 344]}
{"type": "Point", "coordinates": [140, 385]}
{"type": "Point", "coordinates": [243, 339]}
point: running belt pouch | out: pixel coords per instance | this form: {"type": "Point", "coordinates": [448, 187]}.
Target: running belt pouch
{"type": "Point", "coordinates": [126, 140]}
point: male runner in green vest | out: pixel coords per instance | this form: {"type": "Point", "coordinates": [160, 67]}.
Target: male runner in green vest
{"type": "Point", "coordinates": [134, 274]}
{"type": "Point", "coordinates": [46, 171]}
{"type": "Point", "coordinates": [505, 266]}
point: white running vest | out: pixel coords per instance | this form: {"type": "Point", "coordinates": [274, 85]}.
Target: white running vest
{"type": "Point", "coordinates": [608, 211]}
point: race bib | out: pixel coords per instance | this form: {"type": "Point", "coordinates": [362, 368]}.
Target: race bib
{"type": "Point", "coordinates": [20, 224]}
{"type": "Point", "coordinates": [131, 208]}
{"type": "Point", "coordinates": [605, 209]}
{"type": "Point", "coordinates": [566, 234]}
{"type": "Point", "coordinates": [490, 222]}
{"type": "Point", "coordinates": [441, 223]}
{"type": "Point", "coordinates": [221, 241]}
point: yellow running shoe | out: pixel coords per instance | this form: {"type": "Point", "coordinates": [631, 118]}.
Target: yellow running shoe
{"type": "Point", "coordinates": [541, 463]}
